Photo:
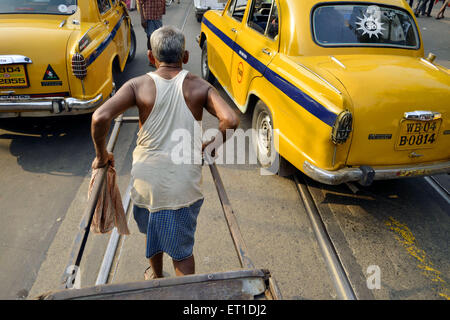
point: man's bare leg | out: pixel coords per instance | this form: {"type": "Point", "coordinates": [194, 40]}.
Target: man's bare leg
{"type": "Point", "coordinates": [184, 267]}
{"type": "Point", "coordinates": [156, 262]}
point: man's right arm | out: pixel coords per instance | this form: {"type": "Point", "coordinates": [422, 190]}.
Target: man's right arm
{"type": "Point", "coordinates": [102, 117]}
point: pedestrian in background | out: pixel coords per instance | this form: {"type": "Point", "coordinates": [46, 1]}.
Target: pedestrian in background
{"type": "Point", "coordinates": [440, 14]}
{"type": "Point", "coordinates": [421, 7]}
{"type": "Point", "coordinates": [151, 16]}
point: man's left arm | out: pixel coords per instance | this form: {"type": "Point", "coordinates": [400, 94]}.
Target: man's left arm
{"type": "Point", "coordinates": [102, 117]}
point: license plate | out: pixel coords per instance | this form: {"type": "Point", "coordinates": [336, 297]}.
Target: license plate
{"type": "Point", "coordinates": [19, 97]}
{"type": "Point", "coordinates": [418, 134]}
{"type": "Point", "coordinates": [13, 76]}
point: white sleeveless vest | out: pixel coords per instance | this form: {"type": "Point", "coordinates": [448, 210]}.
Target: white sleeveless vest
{"type": "Point", "coordinates": [167, 171]}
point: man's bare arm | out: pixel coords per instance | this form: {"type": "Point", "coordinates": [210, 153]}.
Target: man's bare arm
{"type": "Point", "coordinates": [102, 117]}
{"type": "Point", "coordinates": [228, 119]}
{"type": "Point", "coordinates": [217, 106]}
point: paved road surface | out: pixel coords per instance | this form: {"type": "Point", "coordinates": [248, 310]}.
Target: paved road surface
{"type": "Point", "coordinates": [400, 226]}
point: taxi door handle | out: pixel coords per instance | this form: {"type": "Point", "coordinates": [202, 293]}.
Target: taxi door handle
{"type": "Point", "coordinates": [267, 51]}
{"type": "Point", "coordinates": [233, 30]}
{"type": "Point", "coordinates": [106, 22]}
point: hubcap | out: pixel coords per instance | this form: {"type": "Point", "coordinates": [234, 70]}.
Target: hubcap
{"type": "Point", "coordinates": [205, 64]}
{"type": "Point", "coordinates": [264, 138]}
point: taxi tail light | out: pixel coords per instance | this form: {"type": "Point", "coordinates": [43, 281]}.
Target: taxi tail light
{"type": "Point", "coordinates": [342, 128]}
{"type": "Point", "coordinates": [79, 66]}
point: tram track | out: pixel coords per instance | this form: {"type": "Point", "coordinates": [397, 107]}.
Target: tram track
{"type": "Point", "coordinates": [334, 264]}
{"type": "Point", "coordinates": [344, 270]}
{"type": "Point", "coordinates": [439, 188]}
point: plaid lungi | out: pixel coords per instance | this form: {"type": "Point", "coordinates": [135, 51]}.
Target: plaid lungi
{"type": "Point", "coordinates": [169, 231]}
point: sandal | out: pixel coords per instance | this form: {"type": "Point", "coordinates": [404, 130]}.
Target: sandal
{"type": "Point", "coordinates": [148, 274]}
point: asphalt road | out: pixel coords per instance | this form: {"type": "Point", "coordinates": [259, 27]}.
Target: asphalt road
{"type": "Point", "coordinates": [400, 226]}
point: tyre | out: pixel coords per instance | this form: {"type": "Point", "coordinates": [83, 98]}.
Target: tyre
{"type": "Point", "coordinates": [132, 52]}
{"type": "Point", "coordinates": [262, 136]}
{"type": "Point", "coordinates": [199, 17]}
{"type": "Point", "coordinates": [263, 142]}
{"type": "Point", "coordinates": [206, 73]}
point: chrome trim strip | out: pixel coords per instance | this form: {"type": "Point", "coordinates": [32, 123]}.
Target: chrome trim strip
{"type": "Point", "coordinates": [14, 58]}
{"type": "Point", "coordinates": [320, 78]}
{"type": "Point", "coordinates": [429, 63]}
{"type": "Point", "coordinates": [422, 115]}
{"type": "Point", "coordinates": [338, 62]}
{"type": "Point", "coordinates": [52, 104]}
{"type": "Point", "coordinates": [381, 173]}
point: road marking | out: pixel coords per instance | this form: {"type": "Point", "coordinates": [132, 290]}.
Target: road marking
{"type": "Point", "coordinates": [187, 15]}
{"type": "Point", "coordinates": [409, 242]}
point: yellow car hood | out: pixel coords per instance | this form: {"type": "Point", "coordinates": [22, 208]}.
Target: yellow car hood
{"type": "Point", "coordinates": [45, 43]}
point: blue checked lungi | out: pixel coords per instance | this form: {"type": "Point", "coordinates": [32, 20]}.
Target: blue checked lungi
{"type": "Point", "coordinates": [169, 231]}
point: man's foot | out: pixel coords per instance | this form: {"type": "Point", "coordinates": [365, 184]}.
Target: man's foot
{"type": "Point", "coordinates": [149, 275]}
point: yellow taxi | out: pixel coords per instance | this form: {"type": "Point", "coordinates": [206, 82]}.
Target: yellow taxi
{"type": "Point", "coordinates": [342, 87]}
{"type": "Point", "coordinates": [57, 56]}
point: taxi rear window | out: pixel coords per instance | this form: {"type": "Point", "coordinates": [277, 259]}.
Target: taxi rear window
{"type": "Point", "coordinates": [64, 7]}
{"type": "Point", "coordinates": [364, 25]}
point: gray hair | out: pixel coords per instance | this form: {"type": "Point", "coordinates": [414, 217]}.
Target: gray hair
{"type": "Point", "coordinates": [168, 44]}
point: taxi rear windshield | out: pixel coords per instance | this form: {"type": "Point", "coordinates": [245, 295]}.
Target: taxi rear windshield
{"type": "Point", "coordinates": [364, 25]}
{"type": "Point", "coordinates": [64, 7]}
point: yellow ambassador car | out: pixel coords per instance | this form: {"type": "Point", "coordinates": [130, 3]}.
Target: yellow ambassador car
{"type": "Point", "coordinates": [57, 56]}
{"type": "Point", "coordinates": [342, 85]}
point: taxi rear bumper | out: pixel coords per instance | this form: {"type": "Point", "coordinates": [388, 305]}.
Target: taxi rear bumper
{"type": "Point", "coordinates": [365, 175]}
{"type": "Point", "coordinates": [49, 105]}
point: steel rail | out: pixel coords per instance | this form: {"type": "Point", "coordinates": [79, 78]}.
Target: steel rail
{"type": "Point", "coordinates": [440, 189]}
{"type": "Point", "coordinates": [108, 258]}
{"type": "Point", "coordinates": [110, 252]}
{"type": "Point", "coordinates": [230, 218]}
{"type": "Point", "coordinates": [332, 261]}
{"type": "Point", "coordinates": [78, 246]}
{"type": "Point", "coordinates": [233, 227]}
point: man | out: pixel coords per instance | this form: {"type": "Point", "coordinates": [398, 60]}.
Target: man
{"type": "Point", "coordinates": [166, 193]}
{"type": "Point", "coordinates": [151, 16]}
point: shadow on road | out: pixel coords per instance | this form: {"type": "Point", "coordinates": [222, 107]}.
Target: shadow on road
{"type": "Point", "coordinates": [54, 145]}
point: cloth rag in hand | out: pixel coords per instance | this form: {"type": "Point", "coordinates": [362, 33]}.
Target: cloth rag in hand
{"type": "Point", "coordinates": [109, 211]}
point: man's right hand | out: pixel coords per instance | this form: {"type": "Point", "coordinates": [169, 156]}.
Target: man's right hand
{"type": "Point", "coordinates": [100, 162]}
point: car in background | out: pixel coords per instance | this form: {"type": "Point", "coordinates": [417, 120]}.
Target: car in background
{"type": "Point", "coordinates": [57, 56]}
{"type": "Point", "coordinates": [201, 6]}
{"type": "Point", "coordinates": [341, 90]}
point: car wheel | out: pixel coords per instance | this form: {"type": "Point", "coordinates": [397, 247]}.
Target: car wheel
{"type": "Point", "coordinates": [263, 144]}
{"type": "Point", "coordinates": [132, 53]}
{"type": "Point", "coordinates": [199, 17]}
{"type": "Point", "coordinates": [206, 73]}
